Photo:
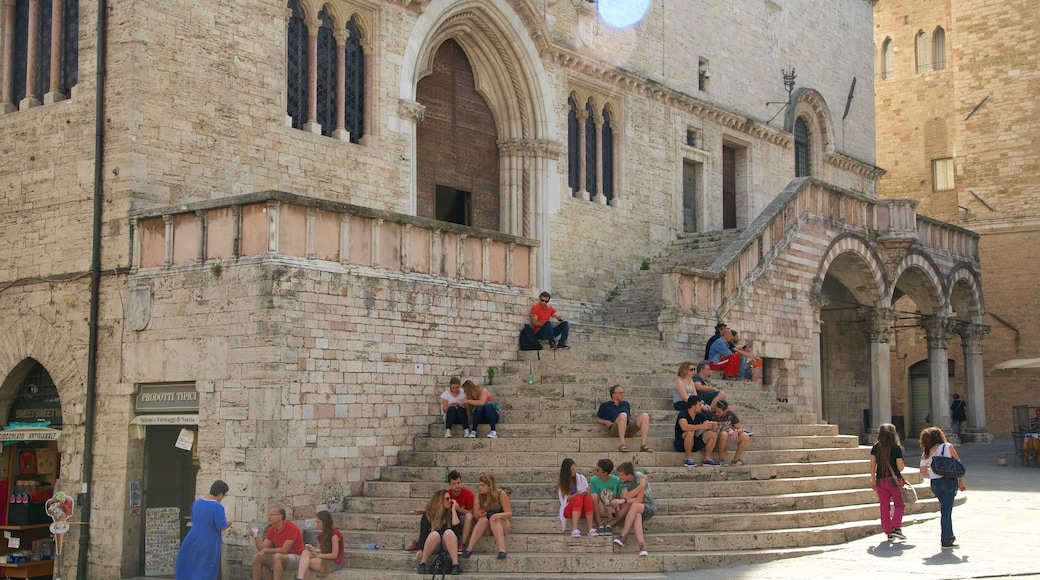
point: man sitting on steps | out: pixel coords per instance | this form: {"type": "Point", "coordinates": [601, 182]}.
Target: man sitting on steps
{"type": "Point", "coordinates": [541, 321]}
{"type": "Point", "coordinates": [693, 432]}
{"type": "Point", "coordinates": [732, 364]}
{"type": "Point", "coordinates": [616, 416]}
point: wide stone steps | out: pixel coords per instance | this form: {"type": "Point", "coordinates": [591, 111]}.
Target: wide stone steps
{"type": "Point", "coordinates": [804, 484]}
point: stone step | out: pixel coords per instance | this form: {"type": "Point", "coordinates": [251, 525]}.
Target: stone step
{"type": "Point", "coordinates": [603, 445]}
{"type": "Point", "coordinates": [699, 484]}
{"type": "Point", "coordinates": [653, 388]}
{"type": "Point", "coordinates": [641, 460]}
{"type": "Point", "coordinates": [508, 430]}
{"type": "Point", "coordinates": [587, 417]}
{"type": "Point", "coordinates": [510, 474]}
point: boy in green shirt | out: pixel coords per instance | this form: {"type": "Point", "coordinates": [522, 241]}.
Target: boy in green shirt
{"type": "Point", "coordinates": [605, 487]}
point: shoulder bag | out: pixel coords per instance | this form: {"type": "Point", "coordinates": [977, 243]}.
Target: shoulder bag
{"type": "Point", "coordinates": [947, 467]}
{"type": "Point", "coordinates": [908, 493]}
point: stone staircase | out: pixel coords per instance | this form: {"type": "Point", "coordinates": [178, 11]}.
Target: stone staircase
{"type": "Point", "coordinates": [803, 489]}
{"type": "Point", "coordinates": [636, 302]}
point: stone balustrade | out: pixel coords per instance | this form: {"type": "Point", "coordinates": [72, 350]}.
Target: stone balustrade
{"type": "Point", "coordinates": [286, 225]}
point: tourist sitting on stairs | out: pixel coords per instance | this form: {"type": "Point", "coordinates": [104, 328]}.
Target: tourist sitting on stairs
{"type": "Point", "coordinates": [541, 321]}
{"type": "Point", "coordinates": [616, 416]}
{"type": "Point", "coordinates": [636, 505]}
{"type": "Point", "coordinates": [730, 429]}
{"type": "Point", "coordinates": [453, 408]}
{"type": "Point", "coordinates": [482, 407]}
{"type": "Point", "coordinates": [732, 364]}
{"type": "Point", "coordinates": [493, 517]}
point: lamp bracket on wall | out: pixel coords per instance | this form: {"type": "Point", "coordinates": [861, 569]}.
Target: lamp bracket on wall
{"type": "Point", "coordinates": [789, 85]}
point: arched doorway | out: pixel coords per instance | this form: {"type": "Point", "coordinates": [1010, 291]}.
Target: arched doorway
{"type": "Point", "coordinates": [457, 145]}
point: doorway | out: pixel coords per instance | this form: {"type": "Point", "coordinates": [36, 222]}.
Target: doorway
{"type": "Point", "coordinates": [454, 205]}
{"type": "Point", "coordinates": [169, 476]}
{"type": "Point", "coordinates": [729, 187]}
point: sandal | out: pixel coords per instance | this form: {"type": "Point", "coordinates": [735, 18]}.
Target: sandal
{"type": "Point", "coordinates": [646, 448]}
{"type": "Point", "coordinates": [623, 449]}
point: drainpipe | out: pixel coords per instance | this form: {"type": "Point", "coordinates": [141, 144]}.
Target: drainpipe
{"type": "Point", "coordinates": [95, 294]}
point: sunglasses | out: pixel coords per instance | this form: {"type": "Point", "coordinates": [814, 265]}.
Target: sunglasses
{"type": "Point", "coordinates": [544, 301]}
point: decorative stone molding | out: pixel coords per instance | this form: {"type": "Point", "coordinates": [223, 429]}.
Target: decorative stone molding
{"type": "Point", "coordinates": [937, 330]}
{"type": "Point", "coordinates": [530, 148]}
{"type": "Point", "coordinates": [411, 110]}
{"type": "Point", "coordinates": [971, 335]}
{"type": "Point", "coordinates": [878, 323]}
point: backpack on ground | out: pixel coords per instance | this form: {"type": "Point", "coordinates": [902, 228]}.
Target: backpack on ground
{"type": "Point", "coordinates": [528, 341]}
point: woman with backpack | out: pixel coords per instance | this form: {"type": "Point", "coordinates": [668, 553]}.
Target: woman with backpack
{"type": "Point", "coordinates": [933, 444]}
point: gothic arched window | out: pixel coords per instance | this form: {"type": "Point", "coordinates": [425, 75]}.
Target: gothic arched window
{"type": "Point", "coordinates": [801, 148]}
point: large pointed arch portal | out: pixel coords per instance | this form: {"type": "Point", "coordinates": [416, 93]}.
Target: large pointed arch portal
{"type": "Point", "coordinates": [497, 116]}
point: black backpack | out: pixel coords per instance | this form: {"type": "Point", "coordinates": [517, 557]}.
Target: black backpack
{"type": "Point", "coordinates": [528, 341]}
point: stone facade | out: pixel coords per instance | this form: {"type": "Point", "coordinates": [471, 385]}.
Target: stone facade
{"type": "Point", "coordinates": [294, 280]}
{"type": "Point", "coordinates": [975, 110]}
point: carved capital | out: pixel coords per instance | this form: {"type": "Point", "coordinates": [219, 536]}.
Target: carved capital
{"type": "Point", "coordinates": [879, 323]}
{"type": "Point", "coordinates": [341, 35]}
{"type": "Point", "coordinates": [937, 330]}
{"type": "Point", "coordinates": [411, 110]}
{"type": "Point", "coordinates": [971, 335]}
{"type": "Point", "coordinates": [529, 148]}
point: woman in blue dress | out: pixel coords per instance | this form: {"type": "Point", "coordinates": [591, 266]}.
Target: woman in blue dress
{"type": "Point", "coordinates": [199, 556]}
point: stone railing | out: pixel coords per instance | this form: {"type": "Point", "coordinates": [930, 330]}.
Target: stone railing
{"type": "Point", "coordinates": [276, 223]}
{"type": "Point", "coordinates": [890, 221]}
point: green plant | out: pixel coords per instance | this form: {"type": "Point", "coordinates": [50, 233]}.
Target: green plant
{"type": "Point", "coordinates": [613, 294]}
{"type": "Point", "coordinates": [216, 269]}
{"type": "Point", "coordinates": [645, 265]}
{"type": "Point", "coordinates": [490, 374]}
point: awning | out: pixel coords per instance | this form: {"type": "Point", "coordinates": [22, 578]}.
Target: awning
{"type": "Point", "coordinates": [30, 434]}
{"type": "Point", "coordinates": [1010, 367]}
{"type": "Point", "coordinates": [186, 419]}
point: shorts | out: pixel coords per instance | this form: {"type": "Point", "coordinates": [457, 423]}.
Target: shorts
{"type": "Point", "coordinates": [294, 561]}
{"type": "Point", "coordinates": [707, 397]}
{"type": "Point", "coordinates": [648, 512]}
{"type": "Point", "coordinates": [631, 430]}
{"type": "Point", "coordinates": [698, 444]}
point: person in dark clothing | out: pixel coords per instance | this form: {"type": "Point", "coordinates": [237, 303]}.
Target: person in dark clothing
{"type": "Point", "coordinates": [718, 334]}
{"type": "Point", "coordinates": [440, 529]}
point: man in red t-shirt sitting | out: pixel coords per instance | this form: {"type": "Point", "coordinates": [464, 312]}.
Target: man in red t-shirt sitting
{"type": "Point", "coordinates": [541, 321]}
{"type": "Point", "coordinates": [465, 499]}
{"type": "Point", "coordinates": [281, 547]}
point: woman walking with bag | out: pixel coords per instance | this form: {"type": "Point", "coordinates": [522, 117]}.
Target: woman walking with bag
{"type": "Point", "coordinates": [886, 470]}
{"type": "Point", "coordinates": [933, 444]}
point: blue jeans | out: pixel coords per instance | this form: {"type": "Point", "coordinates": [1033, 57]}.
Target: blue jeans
{"type": "Point", "coordinates": [456, 415]}
{"type": "Point", "coordinates": [556, 333]}
{"type": "Point", "coordinates": [957, 426]}
{"type": "Point", "coordinates": [945, 490]}
{"type": "Point", "coordinates": [485, 414]}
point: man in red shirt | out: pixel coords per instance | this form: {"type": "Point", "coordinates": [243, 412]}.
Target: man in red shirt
{"type": "Point", "coordinates": [281, 547]}
{"type": "Point", "coordinates": [465, 499]}
{"type": "Point", "coordinates": [541, 321]}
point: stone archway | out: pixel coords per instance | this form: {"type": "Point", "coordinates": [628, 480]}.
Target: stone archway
{"type": "Point", "coordinates": [854, 322]}
{"type": "Point", "coordinates": [509, 76]}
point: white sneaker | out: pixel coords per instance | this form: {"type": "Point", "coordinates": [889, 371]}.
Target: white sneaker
{"type": "Point", "coordinates": [447, 433]}
{"type": "Point", "coordinates": [465, 432]}
{"type": "Point", "coordinates": [493, 435]}
{"type": "Point", "coordinates": [472, 434]}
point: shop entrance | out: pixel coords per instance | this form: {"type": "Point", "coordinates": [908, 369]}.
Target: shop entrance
{"type": "Point", "coordinates": [169, 476]}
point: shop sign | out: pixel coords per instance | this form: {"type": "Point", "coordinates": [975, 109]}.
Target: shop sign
{"type": "Point", "coordinates": [31, 412]}
{"type": "Point", "coordinates": [165, 420]}
{"type": "Point", "coordinates": [182, 398]}
{"type": "Point", "coordinates": [41, 434]}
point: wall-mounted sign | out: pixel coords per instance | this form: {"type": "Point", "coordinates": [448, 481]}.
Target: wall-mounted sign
{"type": "Point", "coordinates": [165, 420]}
{"type": "Point", "coordinates": [167, 398]}
{"type": "Point", "coordinates": [30, 412]}
{"type": "Point", "coordinates": [40, 434]}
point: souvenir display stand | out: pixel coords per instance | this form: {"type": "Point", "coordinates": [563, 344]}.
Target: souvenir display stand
{"type": "Point", "coordinates": [27, 546]}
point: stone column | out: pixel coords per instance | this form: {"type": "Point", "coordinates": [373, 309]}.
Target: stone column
{"type": "Point", "coordinates": [54, 94]}
{"type": "Point", "coordinates": [971, 345]}
{"type": "Point", "coordinates": [583, 187]}
{"type": "Point", "coordinates": [7, 89]}
{"type": "Point", "coordinates": [312, 126]}
{"type": "Point", "coordinates": [526, 167]}
{"type": "Point", "coordinates": [599, 197]}
{"type": "Point", "coordinates": [410, 114]}
{"type": "Point", "coordinates": [879, 333]}
{"type": "Point", "coordinates": [32, 57]}
{"type": "Point", "coordinates": [936, 331]}
{"type": "Point", "coordinates": [341, 35]}
{"type": "Point", "coordinates": [818, 302]}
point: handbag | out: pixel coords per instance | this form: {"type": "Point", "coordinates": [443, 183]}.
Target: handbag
{"type": "Point", "coordinates": [908, 493]}
{"type": "Point", "coordinates": [947, 467]}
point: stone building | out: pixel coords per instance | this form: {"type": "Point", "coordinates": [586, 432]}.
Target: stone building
{"type": "Point", "coordinates": [308, 215]}
{"type": "Point", "coordinates": [957, 126]}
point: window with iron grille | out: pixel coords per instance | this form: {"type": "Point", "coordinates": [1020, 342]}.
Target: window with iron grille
{"type": "Point", "coordinates": [296, 69]}
{"type": "Point", "coordinates": [801, 148]}
{"type": "Point", "coordinates": [590, 151]}
{"type": "Point", "coordinates": [939, 49]}
{"type": "Point", "coordinates": [355, 82]}
{"type": "Point", "coordinates": [573, 158]}
{"type": "Point", "coordinates": [326, 109]}
{"type": "Point", "coordinates": [608, 156]}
